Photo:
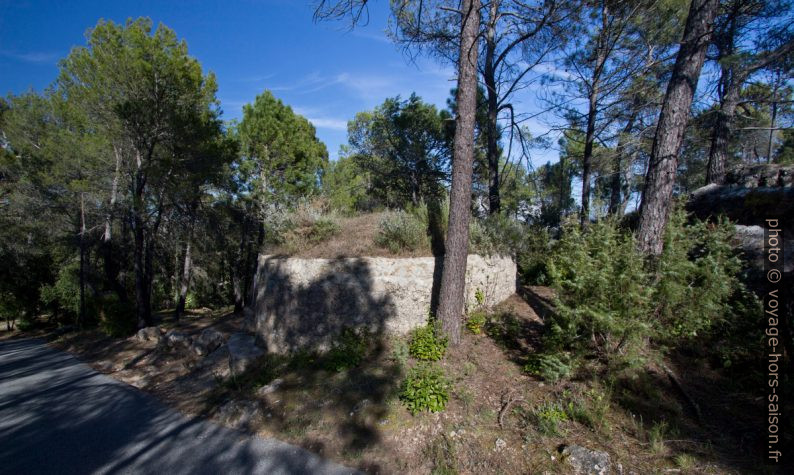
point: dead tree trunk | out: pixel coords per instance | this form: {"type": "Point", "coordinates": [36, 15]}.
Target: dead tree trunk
{"type": "Point", "coordinates": [658, 191]}
{"type": "Point", "coordinates": [453, 275]}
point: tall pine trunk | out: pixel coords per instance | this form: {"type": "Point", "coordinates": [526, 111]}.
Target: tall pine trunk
{"type": "Point", "coordinates": [592, 113]}
{"type": "Point", "coordinates": [184, 282]}
{"type": "Point", "coordinates": [721, 136]}
{"type": "Point", "coordinates": [617, 186]}
{"type": "Point", "coordinates": [141, 252]}
{"type": "Point", "coordinates": [658, 191]}
{"type": "Point", "coordinates": [492, 131]}
{"type": "Point", "coordinates": [453, 275]}
{"type": "Point", "coordinates": [81, 317]}
{"type": "Point", "coordinates": [109, 257]}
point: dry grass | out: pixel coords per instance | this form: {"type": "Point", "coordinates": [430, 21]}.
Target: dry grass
{"type": "Point", "coordinates": [356, 238]}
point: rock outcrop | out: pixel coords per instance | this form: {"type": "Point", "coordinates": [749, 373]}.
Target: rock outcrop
{"type": "Point", "coordinates": [207, 342]}
{"type": "Point", "coordinates": [749, 196]}
{"type": "Point", "coordinates": [584, 461]}
{"type": "Point", "coordinates": [149, 334]}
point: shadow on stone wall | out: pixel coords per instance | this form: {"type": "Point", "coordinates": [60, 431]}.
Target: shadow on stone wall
{"type": "Point", "coordinates": [317, 407]}
{"type": "Point", "coordinates": [301, 315]}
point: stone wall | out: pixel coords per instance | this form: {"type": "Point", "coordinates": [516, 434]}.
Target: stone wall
{"type": "Point", "coordinates": [305, 303]}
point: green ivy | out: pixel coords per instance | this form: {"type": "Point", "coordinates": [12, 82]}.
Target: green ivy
{"type": "Point", "coordinates": [426, 343]}
{"type": "Point", "coordinates": [476, 322]}
{"type": "Point", "coordinates": [425, 389]}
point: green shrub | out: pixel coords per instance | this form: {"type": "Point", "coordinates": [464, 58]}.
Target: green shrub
{"type": "Point", "coordinates": [65, 292]}
{"type": "Point", "coordinates": [505, 329]}
{"type": "Point", "coordinates": [425, 388]}
{"type": "Point", "coordinates": [496, 234]}
{"type": "Point", "coordinates": [426, 344]}
{"type": "Point", "coordinates": [401, 231]}
{"type": "Point", "coordinates": [347, 353]}
{"type": "Point", "coordinates": [115, 319]}
{"type": "Point", "coordinates": [322, 230]}
{"type": "Point", "coordinates": [532, 257]}
{"type": "Point", "coordinates": [611, 301]}
{"type": "Point", "coordinates": [476, 322]}
{"type": "Point", "coordinates": [603, 303]}
{"type": "Point", "coordinates": [548, 417]}
{"type": "Point", "coordinates": [191, 301]}
{"type": "Point", "coordinates": [696, 276]}
{"type": "Point", "coordinates": [552, 368]}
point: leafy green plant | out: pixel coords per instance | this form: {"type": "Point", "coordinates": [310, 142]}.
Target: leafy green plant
{"type": "Point", "coordinates": [589, 409]}
{"type": "Point", "coordinates": [401, 231]}
{"type": "Point", "coordinates": [552, 368]}
{"type": "Point", "coordinates": [191, 300]}
{"type": "Point", "coordinates": [426, 344]}
{"type": "Point", "coordinates": [347, 353]}
{"type": "Point", "coordinates": [476, 322]}
{"type": "Point", "coordinates": [425, 388]}
{"type": "Point", "coordinates": [685, 462]}
{"type": "Point", "coordinates": [548, 417]}
{"type": "Point", "coordinates": [479, 297]}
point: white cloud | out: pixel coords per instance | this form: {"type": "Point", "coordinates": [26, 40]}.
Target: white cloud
{"type": "Point", "coordinates": [37, 57]}
{"type": "Point", "coordinates": [327, 123]}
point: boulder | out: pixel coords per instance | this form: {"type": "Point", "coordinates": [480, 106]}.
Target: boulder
{"type": "Point", "coordinates": [149, 334]}
{"type": "Point", "coordinates": [748, 196]}
{"type": "Point", "coordinates": [217, 363]}
{"type": "Point", "coordinates": [585, 461]}
{"type": "Point", "coordinates": [270, 387]}
{"type": "Point", "coordinates": [242, 352]}
{"type": "Point", "coordinates": [207, 342]}
{"type": "Point", "coordinates": [177, 339]}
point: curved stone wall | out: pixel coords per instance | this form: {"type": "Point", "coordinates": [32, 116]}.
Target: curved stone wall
{"type": "Point", "coordinates": [306, 303]}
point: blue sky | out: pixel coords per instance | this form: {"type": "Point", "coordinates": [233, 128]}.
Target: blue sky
{"type": "Point", "coordinates": [323, 70]}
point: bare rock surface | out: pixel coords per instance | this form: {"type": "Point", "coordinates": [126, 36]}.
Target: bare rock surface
{"type": "Point", "coordinates": [242, 352]}
{"type": "Point", "coordinates": [585, 461]}
{"type": "Point", "coordinates": [149, 334]}
{"type": "Point", "coordinates": [209, 340]}
{"type": "Point", "coordinates": [217, 363]}
{"type": "Point", "coordinates": [177, 339]}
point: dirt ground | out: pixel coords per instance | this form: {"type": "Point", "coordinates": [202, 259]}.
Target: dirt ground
{"type": "Point", "coordinates": [491, 423]}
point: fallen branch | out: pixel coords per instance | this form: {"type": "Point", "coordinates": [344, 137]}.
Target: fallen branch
{"type": "Point", "coordinates": [507, 401]}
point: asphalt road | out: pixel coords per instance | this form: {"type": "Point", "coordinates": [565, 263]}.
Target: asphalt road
{"type": "Point", "coordinates": [57, 415]}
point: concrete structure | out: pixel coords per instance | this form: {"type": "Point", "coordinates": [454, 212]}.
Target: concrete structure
{"type": "Point", "coordinates": [306, 303]}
